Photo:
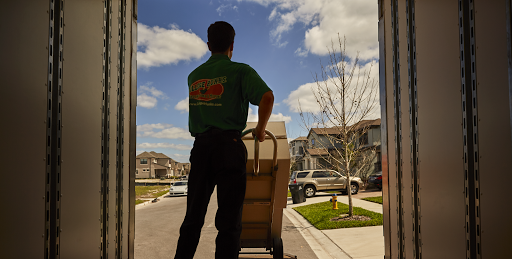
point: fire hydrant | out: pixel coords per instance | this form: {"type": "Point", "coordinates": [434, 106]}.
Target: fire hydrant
{"type": "Point", "coordinates": [334, 201]}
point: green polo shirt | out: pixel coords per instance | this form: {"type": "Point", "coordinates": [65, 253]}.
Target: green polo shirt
{"type": "Point", "coordinates": [219, 94]}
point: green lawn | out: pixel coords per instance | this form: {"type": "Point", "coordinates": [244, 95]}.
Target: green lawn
{"type": "Point", "coordinates": [139, 202]}
{"type": "Point", "coordinates": [377, 199]}
{"type": "Point", "coordinates": [160, 193]}
{"type": "Point", "coordinates": [151, 191]}
{"type": "Point", "coordinates": [319, 215]}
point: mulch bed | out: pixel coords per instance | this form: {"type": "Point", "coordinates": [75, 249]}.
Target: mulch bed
{"type": "Point", "coordinates": [354, 217]}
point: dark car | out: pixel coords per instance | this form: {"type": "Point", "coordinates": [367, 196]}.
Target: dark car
{"type": "Point", "coordinates": [376, 179]}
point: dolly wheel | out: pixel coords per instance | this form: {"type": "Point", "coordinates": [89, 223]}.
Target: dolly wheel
{"type": "Point", "coordinates": [278, 248]}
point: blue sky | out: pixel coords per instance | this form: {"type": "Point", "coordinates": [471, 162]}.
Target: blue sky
{"type": "Point", "coordinates": [283, 41]}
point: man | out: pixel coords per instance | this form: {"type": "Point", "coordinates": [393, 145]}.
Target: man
{"type": "Point", "coordinates": [219, 94]}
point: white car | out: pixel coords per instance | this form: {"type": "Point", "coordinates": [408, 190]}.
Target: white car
{"type": "Point", "coordinates": [179, 188]}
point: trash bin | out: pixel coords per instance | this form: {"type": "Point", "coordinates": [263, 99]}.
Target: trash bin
{"type": "Point", "coordinates": [297, 190]}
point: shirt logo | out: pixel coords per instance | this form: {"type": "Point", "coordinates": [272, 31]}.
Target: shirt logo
{"type": "Point", "coordinates": [207, 89]}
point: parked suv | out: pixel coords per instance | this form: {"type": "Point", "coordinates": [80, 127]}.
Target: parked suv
{"type": "Point", "coordinates": [324, 180]}
{"type": "Point", "coordinates": [376, 178]}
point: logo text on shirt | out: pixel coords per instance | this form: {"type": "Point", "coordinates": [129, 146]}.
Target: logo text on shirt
{"type": "Point", "coordinates": [207, 89]}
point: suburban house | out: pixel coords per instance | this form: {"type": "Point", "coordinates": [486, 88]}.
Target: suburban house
{"type": "Point", "coordinates": [297, 148]}
{"type": "Point", "coordinates": [156, 165]}
{"type": "Point", "coordinates": [321, 141]}
{"type": "Point", "coordinates": [180, 169]}
{"type": "Point", "coordinates": [371, 139]}
{"type": "Point", "coordinates": [322, 138]}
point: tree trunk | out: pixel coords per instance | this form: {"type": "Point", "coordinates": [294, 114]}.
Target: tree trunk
{"type": "Point", "coordinates": [349, 193]}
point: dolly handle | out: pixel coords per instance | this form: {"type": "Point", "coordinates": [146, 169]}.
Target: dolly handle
{"type": "Point", "coordinates": [257, 150]}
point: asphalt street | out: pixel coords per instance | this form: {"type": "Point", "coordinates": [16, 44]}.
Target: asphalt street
{"type": "Point", "coordinates": [157, 231]}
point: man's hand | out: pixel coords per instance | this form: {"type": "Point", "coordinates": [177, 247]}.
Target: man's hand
{"type": "Point", "coordinates": [259, 133]}
{"type": "Point", "coordinates": [264, 112]}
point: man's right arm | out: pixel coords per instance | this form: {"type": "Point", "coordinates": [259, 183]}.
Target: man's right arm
{"type": "Point", "coordinates": [264, 111]}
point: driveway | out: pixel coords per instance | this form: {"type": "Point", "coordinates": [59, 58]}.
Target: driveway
{"type": "Point", "coordinates": [157, 231]}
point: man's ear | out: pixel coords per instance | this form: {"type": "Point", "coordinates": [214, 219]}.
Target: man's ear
{"type": "Point", "coordinates": [208, 43]}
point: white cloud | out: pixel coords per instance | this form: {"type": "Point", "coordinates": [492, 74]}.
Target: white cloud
{"type": "Point", "coordinates": [324, 19]}
{"type": "Point", "coordinates": [173, 133]}
{"type": "Point", "coordinates": [303, 98]}
{"type": "Point", "coordinates": [153, 91]}
{"type": "Point", "coordinates": [253, 117]}
{"type": "Point", "coordinates": [159, 46]}
{"type": "Point", "coordinates": [301, 52]}
{"type": "Point", "coordinates": [281, 44]}
{"type": "Point", "coordinates": [273, 14]}
{"type": "Point", "coordinates": [150, 127]}
{"type": "Point", "coordinates": [356, 20]}
{"type": "Point", "coordinates": [164, 145]}
{"type": "Point", "coordinates": [166, 131]}
{"type": "Point", "coordinates": [182, 105]}
{"type": "Point", "coordinates": [224, 7]}
{"type": "Point", "coordinates": [261, 2]}
{"type": "Point", "coordinates": [174, 26]}
{"type": "Point", "coordinates": [148, 95]}
{"type": "Point", "coordinates": [181, 158]}
{"type": "Point", "coordinates": [146, 101]}
{"type": "Point", "coordinates": [280, 117]}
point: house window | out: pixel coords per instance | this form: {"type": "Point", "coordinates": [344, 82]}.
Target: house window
{"type": "Point", "coordinates": [143, 161]}
{"type": "Point", "coordinates": [363, 140]}
{"type": "Point", "coordinates": [313, 142]}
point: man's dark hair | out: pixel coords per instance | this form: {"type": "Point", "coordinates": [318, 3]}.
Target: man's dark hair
{"type": "Point", "coordinates": [220, 36]}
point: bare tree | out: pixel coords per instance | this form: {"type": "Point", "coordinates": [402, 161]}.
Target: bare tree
{"type": "Point", "coordinates": [346, 98]}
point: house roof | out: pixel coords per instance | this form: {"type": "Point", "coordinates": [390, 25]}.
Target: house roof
{"type": "Point", "coordinates": [157, 166]}
{"type": "Point", "coordinates": [300, 138]}
{"type": "Point", "coordinates": [326, 131]}
{"type": "Point", "coordinates": [159, 155]}
{"type": "Point", "coordinates": [367, 123]}
{"type": "Point", "coordinates": [145, 155]}
{"type": "Point", "coordinates": [152, 154]}
{"type": "Point", "coordinates": [335, 130]}
{"type": "Point", "coordinates": [318, 151]}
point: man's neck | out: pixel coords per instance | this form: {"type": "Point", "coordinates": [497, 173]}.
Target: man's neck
{"type": "Point", "coordinates": [222, 53]}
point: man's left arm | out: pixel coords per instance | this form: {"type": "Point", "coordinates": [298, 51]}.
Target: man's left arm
{"type": "Point", "coordinates": [264, 111]}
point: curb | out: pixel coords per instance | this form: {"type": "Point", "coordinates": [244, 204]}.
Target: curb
{"type": "Point", "coordinates": [140, 205]}
{"type": "Point", "coordinates": [320, 243]}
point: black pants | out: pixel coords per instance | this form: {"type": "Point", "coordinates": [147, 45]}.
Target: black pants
{"type": "Point", "coordinates": [220, 160]}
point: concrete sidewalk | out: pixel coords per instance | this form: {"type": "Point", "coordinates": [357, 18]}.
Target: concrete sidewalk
{"type": "Point", "coordinates": [356, 243]}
